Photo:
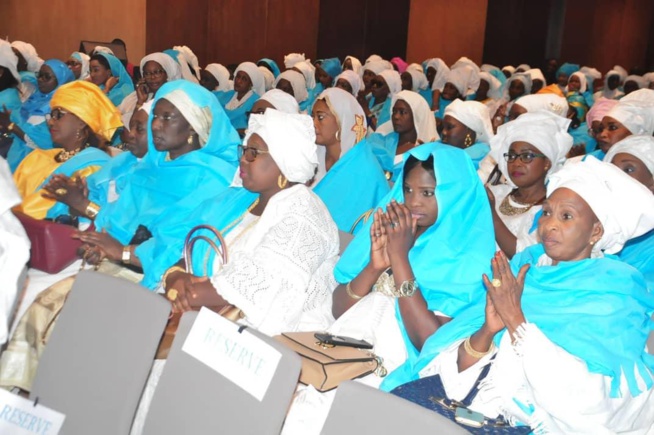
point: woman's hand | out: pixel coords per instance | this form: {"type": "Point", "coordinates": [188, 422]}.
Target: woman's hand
{"type": "Point", "coordinates": [71, 192]}
{"type": "Point", "coordinates": [142, 92]}
{"type": "Point", "coordinates": [505, 291]}
{"type": "Point", "coordinates": [179, 286]}
{"type": "Point", "coordinates": [109, 84]}
{"type": "Point", "coordinates": [493, 323]}
{"type": "Point", "coordinates": [400, 229]}
{"type": "Point", "coordinates": [500, 115]}
{"type": "Point", "coordinates": [110, 247]}
{"type": "Point", "coordinates": [5, 118]}
{"type": "Point", "coordinates": [379, 260]}
{"type": "Point", "coordinates": [577, 150]}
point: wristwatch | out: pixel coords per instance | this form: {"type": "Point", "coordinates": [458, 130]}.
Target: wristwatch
{"type": "Point", "coordinates": [127, 254]}
{"type": "Point", "coordinates": [407, 288]}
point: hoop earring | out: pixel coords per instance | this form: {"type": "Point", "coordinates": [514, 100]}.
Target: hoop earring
{"type": "Point", "coordinates": [282, 181]}
{"type": "Point", "coordinates": [190, 139]}
{"type": "Point", "coordinates": [338, 135]}
{"type": "Point", "coordinates": [468, 140]}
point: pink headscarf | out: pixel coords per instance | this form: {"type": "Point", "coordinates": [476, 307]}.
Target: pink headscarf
{"type": "Point", "coordinates": [400, 64]}
{"type": "Point", "coordinates": [600, 108]}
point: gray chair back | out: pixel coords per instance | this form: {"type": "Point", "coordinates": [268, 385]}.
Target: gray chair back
{"type": "Point", "coordinates": [97, 361]}
{"type": "Point", "coordinates": [194, 399]}
{"type": "Point", "coordinates": [650, 341]}
{"type": "Point", "coordinates": [360, 409]}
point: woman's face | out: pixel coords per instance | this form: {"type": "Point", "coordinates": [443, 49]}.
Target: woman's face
{"type": "Point", "coordinates": [613, 82]}
{"type": "Point", "coordinates": [286, 86]}
{"type": "Point", "coordinates": [344, 84]}
{"type": "Point", "coordinates": [323, 77]}
{"type": "Point", "coordinates": [407, 81]}
{"type": "Point", "coordinates": [516, 89]}
{"type": "Point", "coordinates": [420, 197]}
{"type": "Point", "coordinates": [22, 63]}
{"type": "Point", "coordinates": [402, 117]}
{"type": "Point", "coordinates": [536, 85]}
{"type": "Point", "coordinates": [611, 131]}
{"type": "Point", "coordinates": [380, 89]}
{"type": "Point", "coordinates": [635, 168]}
{"type": "Point", "coordinates": [567, 226]}
{"type": "Point", "coordinates": [348, 64]}
{"type": "Point", "coordinates": [242, 82]}
{"type": "Point", "coordinates": [574, 84]}
{"type": "Point", "coordinates": [99, 74]}
{"type": "Point", "coordinates": [155, 76]}
{"type": "Point", "coordinates": [75, 66]}
{"type": "Point", "coordinates": [515, 111]}
{"type": "Point", "coordinates": [455, 132]}
{"type": "Point", "coordinates": [260, 106]}
{"type": "Point", "coordinates": [482, 90]}
{"type": "Point", "coordinates": [137, 135]}
{"type": "Point", "coordinates": [527, 174]}
{"type": "Point", "coordinates": [431, 75]}
{"type": "Point", "coordinates": [562, 80]}
{"type": "Point", "coordinates": [261, 174]}
{"type": "Point", "coordinates": [47, 81]}
{"type": "Point", "coordinates": [170, 130]}
{"type": "Point", "coordinates": [66, 129]}
{"type": "Point", "coordinates": [325, 124]}
{"type": "Point", "coordinates": [207, 80]}
{"type": "Point", "coordinates": [368, 77]}
{"type": "Point", "coordinates": [450, 92]}
{"type": "Point", "coordinates": [630, 86]}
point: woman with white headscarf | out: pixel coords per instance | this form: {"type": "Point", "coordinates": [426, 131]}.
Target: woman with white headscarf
{"type": "Point", "coordinates": [413, 79]}
{"type": "Point", "coordinates": [437, 72]}
{"type": "Point", "coordinates": [9, 83]}
{"type": "Point", "coordinates": [249, 85]}
{"type": "Point", "coordinates": [467, 125]}
{"type": "Point", "coordinates": [489, 91]}
{"type": "Point", "coordinates": [633, 83]}
{"type": "Point", "coordinates": [371, 69]}
{"type": "Point", "coordinates": [307, 69]}
{"type": "Point", "coordinates": [215, 78]}
{"type": "Point", "coordinates": [624, 119]}
{"type": "Point", "coordinates": [518, 85]}
{"type": "Point", "coordinates": [293, 58]}
{"type": "Point", "coordinates": [528, 151]}
{"type": "Point", "coordinates": [294, 84]}
{"type": "Point", "coordinates": [345, 159]}
{"type": "Point", "coordinates": [275, 99]}
{"type": "Point", "coordinates": [268, 77]}
{"type": "Point", "coordinates": [566, 335]}
{"type": "Point", "coordinates": [611, 89]}
{"type": "Point", "coordinates": [456, 86]}
{"type": "Point", "coordinates": [29, 64]}
{"type": "Point", "coordinates": [349, 81]}
{"type": "Point", "coordinates": [635, 156]}
{"type": "Point", "coordinates": [79, 65]}
{"type": "Point", "coordinates": [384, 87]}
{"type": "Point", "coordinates": [353, 64]}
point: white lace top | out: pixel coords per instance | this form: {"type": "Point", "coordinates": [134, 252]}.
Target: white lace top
{"type": "Point", "coordinates": [519, 224]}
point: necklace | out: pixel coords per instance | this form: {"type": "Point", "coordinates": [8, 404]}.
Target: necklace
{"type": "Point", "coordinates": [509, 210]}
{"type": "Point", "coordinates": [240, 218]}
{"type": "Point", "coordinates": [65, 155]}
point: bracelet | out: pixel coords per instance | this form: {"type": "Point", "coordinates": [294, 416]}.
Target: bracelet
{"type": "Point", "coordinates": [169, 271]}
{"type": "Point", "coordinates": [92, 210]}
{"type": "Point", "coordinates": [475, 354]}
{"type": "Point", "coordinates": [11, 126]}
{"type": "Point", "coordinates": [350, 293]}
{"type": "Point", "coordinates": [127, 254]}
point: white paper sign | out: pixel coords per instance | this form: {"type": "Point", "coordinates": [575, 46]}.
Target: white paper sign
{"type": "Point", "coordinates": [19, 416]}
{"type": "Point", "coordinates": [242, 358]}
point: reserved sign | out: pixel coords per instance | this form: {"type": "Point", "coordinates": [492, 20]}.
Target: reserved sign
{"type": "Point", "coordinates": [19, 416]}
{"type": "Point", "coordinates": [241, 357]}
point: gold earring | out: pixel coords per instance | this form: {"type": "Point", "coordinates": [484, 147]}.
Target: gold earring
{"type": "Point", "coordinates": [338, 135]}
{"type": "Point", "coordinates": [282, 181]}
{"type": "Point", "coordinates": [592, 242]}
{"type": "Point", "coordinates": [190, 139]}
{"type": "Point", "coordinates": [468, 140]}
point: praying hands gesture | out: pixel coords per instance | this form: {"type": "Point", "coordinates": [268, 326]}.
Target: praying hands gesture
{"type": "Point", "coordinates": [71, 191]}
{"type": "Point", "coordinates": [98, 246]}
{"type": "Point", "coordinates": [401, 230]}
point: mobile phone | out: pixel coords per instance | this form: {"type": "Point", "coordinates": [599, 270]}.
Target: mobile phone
{"type": "Point", "coordinates": [339, 340]}
{"type": "Point", "coordinates": [468, 417]}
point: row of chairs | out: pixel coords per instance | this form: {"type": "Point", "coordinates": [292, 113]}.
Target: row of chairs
{"type": "Point", "coordinates": [98, 359]}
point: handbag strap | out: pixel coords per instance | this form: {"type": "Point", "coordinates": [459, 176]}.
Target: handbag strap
{"type": "Point", "coordinates": [190, 241]}
{"type": "Point", "coordinates": [467, 401]}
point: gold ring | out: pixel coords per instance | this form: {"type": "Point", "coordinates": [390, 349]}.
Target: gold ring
{"type": "Point", "coordinates": [172, 295]}
{"type": "Point", "coordinates": [496, 283]}
{"type": "Point", "coordinates": [61, 191]}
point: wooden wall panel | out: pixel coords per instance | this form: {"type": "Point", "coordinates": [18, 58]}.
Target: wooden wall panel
{"type": "Point", "coordinates": [387, 24]}
{"type": "Point", "coordinates": [56, 27]}
{"type": "Point", "coordinates": [340, 34]}
{"type": "Point", "coordinates": [292, 27]}
{"type": "Point", "coordinates": [446, 29]}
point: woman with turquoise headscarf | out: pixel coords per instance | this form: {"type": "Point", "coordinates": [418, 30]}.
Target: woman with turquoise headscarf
{"type": "Point", "coordinates": [78, 63]}
{"type": "Point", "coordinates": [270, 64]}
{"type": "Point", "coordinates": [110, 75]}
{"type": "Point", "coordinates": [28, 126]}
{"type": "Point", "coordinates": [563, 74]}
{"type": "Point", "coordinates": [565, 323]}
{"type": "Point", "coordinates": [9, 88]}
{"type": "Point", "coordinates": [346, 162]}
{"type": "Point", "coordinates": [327, 72]}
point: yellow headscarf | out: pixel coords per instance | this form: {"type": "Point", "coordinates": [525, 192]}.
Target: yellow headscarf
{"type": "Point", "coordinates": [87, 101]}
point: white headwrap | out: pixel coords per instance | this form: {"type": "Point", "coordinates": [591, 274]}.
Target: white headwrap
{"type": "Point", "coordinates": [103, 49]}
{"type": "Point", "coordinates": [472, 71]}
{"type": "Point", "coordinates": [621, 72]}
{"type": "Point", "coordinates": [222, 75]}
{"type": "Point", "coordinates": [356, 65]}
{"type": "Point", "coordinates": [281, 101]}
{"type": "Point", "coordinates": [423, 118]}
{"type": "Point", "coordinates": [649, 77]}
{"type": "Point", "coordinates": [291, 141]}
{"type": "Point", "coordinates": [645, 96]}
{"type": "Point", "coordinates": [623, 205]}
{"type": "Point", "coordinates": [189, 58]}
{"type": "Point", "coordinates": [536, 74]}
{"type": "Point", "coordinates": [544, 130]}
{"type": "Point", "coordinates": [634, 115]}
{"type": "Point", "coordinates": [547, 102]}
{"type": "Point", "coordinates": [252, 70]}
{"type": "Point", "coordinates": [487, 67]}
{"type": "Point", "coordinates": [349, 114]}
{"type": "Point", "coordinates": [639, 80]}
{"type": "Point", "coordinates": [298, 83]}
{"type": "Point", "coordinates": [459, 78]}
{"type": "Point", "coordinates": [167, 63]}
{"type": "Point", "coordinates": [640, 146]}
{"type": "Point", "coordinates": [494, 85]}
{"type": "Point", "coordinates": [8, 59]}
{"type": "Point", "coordinates": [374, 58]}
{"type": "Point", "coordinates": [418, 78]}
{"type": "Point", "coordinates": [582, 80]}
{"type": "Point", "coordinates": [268, 77]}
{"type": "Point", "coordinates": [393, 80]}
{"type": "Point", "coordinates": [200, 118]}
{"type": "Point", "coordinates": [28, 51]}
{"type": "Point", "coordinates": [509, 68]}
{"type": "Point", "coordinates": [377, 66]}
{"type": "Point", "coordinates": [524, 78]}
{"type": "Point", "coordinates": [524, 67]}
{"type": "Point", "coordinates": [591, 73]}
{"type": "Point", "coordinates": [147, 106]}
{"type": "Point", "coordinates": [292, 58]}
{"type": "Point", "coordinates": [442, 72]}
{"type": "Point", "coordinates": [353, 79]}
{"type": "Point", "coordinates": [308, 71]}
{"type": "Point", "coordinates": [84, 59]}
{"type": "Point", "coordinates": [473, 115]}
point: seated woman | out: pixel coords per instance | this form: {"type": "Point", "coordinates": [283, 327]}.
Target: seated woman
{"type": "Point", "coordinates": [27, 127]}
{"type": "Point", "coordinates": [370, 72]}
{"type": "Point", "coordinates": [351, 63]}
{"type": "Point", "coordinates": [349, 81]}
{"type": "Point", "coordinates": [384, 87]}
{"type": "Point", "coordinates": [156, 69]}
{"type": "Point", "coordinates": [110, 75]}
{"type": "Point", "coordinates": [327, 72]}
{"type": "Point", "coordinates": [293, 83]}
{"type": "Point", "coordinates": [594, 117]}
{"type": "Point", "coordinates": [410, 269]}
{"type": "Point", "coordinates": [9, 89]}
{"type": "Point", "coordinates": [29, 65]}
{"type": "Point", "coordinates": [611, 89]}
{"type": "Point", "coordinates": [307, 69]}
{"type": "Point", "coordinates": [515, 87]}
{"type": "Point", "coordinates": [455, 87]}
{"type": "Point", "coordinates": [467, 125]}
{"type": "Point", "coordinates": [635, 156]}
{"type": "Point", "coordinates": [399, 64]}
{"type": "Point", "coordinates": [563, 74]}
{"type": "Point", "coordinates": [413, 79]}
{"type": "Point", "coordinates": [345, 159]}
{"type": "Point", "coordinates": [436, 72]}
{"type": "Point", "coordinates": [633, 83]}
{"type": "Point", "coordinates": [248, 87]}
{"type": "Point", "coordinates": [78, 63]}
{"type": "Point", "coordinates": [275, 99]}
{"type": "Point", "coordinates": [564, 325]}
{"type": "Point", "coordinates": [623, 120]}
{"type": "Point", "coordinates": [537, 79]}
{"type": "Point", "coordinates": [270, 64]}
{"type": "Point", "coordinates": [528, 151]}
{"type": "Point", "coordinates": [489, 91]}
{"type": "Point", "coordinates": [82, 121]}
{"type": "Point", "coordinates": [215, 78]}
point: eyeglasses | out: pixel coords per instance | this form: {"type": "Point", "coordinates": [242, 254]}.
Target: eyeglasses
{"type": "Point", "coordinates": [250, 153]}
{"type": "Point", "coordinates": [377, 84]}
{"type": "Point", "coordinates": [154, 74]}
{"type": "Point", "coordinates": [594, 132]}
{"type": "Point", "coordinates": [56, 114]}
{"type": "Point", "coordinates": [526, 157]}
{"type": "Point", "coordinates": [44, 76]}
{"type": "Point", "coordinates": [73, 63]}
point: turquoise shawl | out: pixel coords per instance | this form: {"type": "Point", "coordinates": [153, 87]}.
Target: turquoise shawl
{"type": "Point", "coordinates": [639, 253]}
{"type": "Point", "coordinates": [239, 116]}
{"type": "Point", "coordinates": [125, 86]}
